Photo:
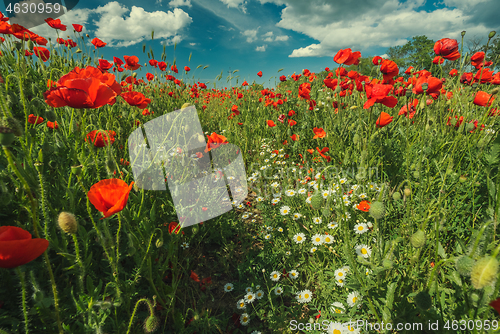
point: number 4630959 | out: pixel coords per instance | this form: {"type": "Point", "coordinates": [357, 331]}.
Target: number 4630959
{"type": "Point", "coordinates": [33, 8]}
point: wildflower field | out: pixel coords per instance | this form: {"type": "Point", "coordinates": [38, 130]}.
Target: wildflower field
{"type": "Point", "coordinates": [372, 201]}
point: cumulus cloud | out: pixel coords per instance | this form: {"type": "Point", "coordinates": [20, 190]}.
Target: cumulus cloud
{"type": "Point", "coordinates": [281, 38]}
{"type": "Point", "coordinates": [118, 29]}
{"type": "Point", "coordinates": [363, 24]}
{"type": "Point", "coordinates": [268, 37]}
{"type": "Point", "coordinates": [179, 3]}
{"type": "Point", "coordinates": [241, 4]}
{"type": "Point", "coordinates": [251, 35]}
{"type": "Point", "coordinates": [261, 48]}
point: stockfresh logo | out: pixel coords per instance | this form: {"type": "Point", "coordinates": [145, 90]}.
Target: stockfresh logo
{"type": "Point", "coordinates": [204, 180]}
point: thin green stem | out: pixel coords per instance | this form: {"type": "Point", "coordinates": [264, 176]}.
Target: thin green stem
{"type": "Point", "coordinates": [25, 311]}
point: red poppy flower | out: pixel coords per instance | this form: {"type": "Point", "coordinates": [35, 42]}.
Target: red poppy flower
{"type": "Point", "coordinates": [295, 137]}
{"type": "Point", "coordinates": [153, 63]}
{"type": "Point", "coordinates": [98, 43]}
{"type": "Point", "coordinates": [136, 99]}
{"type": "Point", "coordinates": [132, 62]}
{"type": "Point", "coordinates": [377, 93]}
{"type": "Point", "coordinates": [84, 88]}
{"type": "Point", "coordinates": [324, 150]}
{"type": "Point", "coordinates": [282, 78]}
{"type": "Point", "coordinates": [78, 27]}
{"type": "Point", "coordinates": [477, 59]}
{"type": "Point", "coordinates": [174, 68]}
{"type": "Point", "coordinates": [291, 122]}
{"type": "Point", "coordinates": [101, 138]}
{"type": "Point", "coordinates": [270, 123]}
{"type": "Point", "coordinates": [364, 206]}
{"type": "Point", "coordinates": [42, 53]}
{"type": "Point", "coordinates": [17, 247]}
{"type": "Point", "coordinates": [447, 48]}
{"type": "Point", "coordinates": [438, 60]}
{"type": "Point", "coordinates": [259, 74]}
{"type": "Point", "coordinates": [52, 125]}
{"type": "Point", "coordinates": [347, 57]}
{"type": "Point", "coordinates": [383, 119]}
{"type": "Point", "coordinates": [319, 133]}
{"type": "Point", "coordinates": [412, 106]}
{"type": "Point", "coordinates": [496, 305]}
{"type": "Point", "coordinates": [104, 65]}
{"type": "Point", "coordinates": [109, 196]}
{"type": "Point", "coordinates": [150, 76]}
{"type": "Point", "coordinates": [376, 60]}
{"type": "Point", "coordinates": [483, 99]}
{"type": "Point", "coordinates": [389, 69]}
{"type": "Point", "coordinates": [56, 24]}
{"type": "Point", "coordinates": [214, 141]}
{"type": "Point", "coordinates": [187, 69]}
{"type": "Point", "coordinates": [305, 90]}
{"type": "Point", "coordinates": [35, 119]}
{"type": "Point", "coordinates": [174, 227]}
{"type": "Point", "coordinates": [453, 72]}
{"type": "Point", "coordinates": [434, 86]}
{"type": "Point", "coordinates": [27, 53]}
{"type": "Point", "coordinates": [485, 74]}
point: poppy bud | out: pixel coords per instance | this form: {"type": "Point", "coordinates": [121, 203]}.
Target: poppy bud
{"type": "Point", "coordinates": [463, 33]}
{"type": "Point", "coordinates": [423, 300]}
{"type": "Point", "coordinates": [418, 239]}
{"type": "Point", "coordinates": [30, 45]}
{"type": "Point", "coordinates": [425, 85]}
{"type": "Point", "coordinates": [12, 124]}
{"type": "Point", "coordinates": [6, 136]}
{"type": "Point", "coordinates": [317, 200]}
{"type": "Point", "coordinates": [151, 324]}
{"type": "Point", "coordinates": [134, 75]}
{"type": "Point", "coordinates": [407, 192]}
{"type": "Point", "coordinates": [201, 139]}
{"type": "Point", "coordinates": [377, 210]}
{"type": "Point", "coordinates": [77, 170]}
{"type": "Point", "coordinates": [492, 34]}
{"type": "Point", "coordinates": [396, 196]}
{"type": "Point", "coordinates": [355, 139]}
{"type": "Point", "coordinates": [495, 91]}
{"type": "Point", "coordinates": [87, 35]}
{"type": "Point", "coordinates": [462, 179]}
{"type": "Point", "coordinates": [67, 222]}
{"type": "Point", "coordinates": [159, 243]}
{"type": "Point", "coordinates": [110, 164]}
{"type": "Point", "coordinates": [152, 34]}
{"type": "Point", "coordinates": [484, 272]}
{"type": "Point", "coordinates": [464, 265]}
{"type": "Point", "coordinates": [50, 115]}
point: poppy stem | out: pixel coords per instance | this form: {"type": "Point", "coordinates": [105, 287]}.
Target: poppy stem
{"type": "Point", "coordinates": [23, 287]}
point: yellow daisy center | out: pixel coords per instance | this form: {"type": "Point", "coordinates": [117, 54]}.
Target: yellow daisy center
{"type": "Point", "coordinates": [336, 331]}
{"type": "Point", "coordinates": [299, 238]}
{"type": "Point", "coordinates": [354, 299]}
{"type": "Point", "coordinates": [306, 296]}
{"type": "Point", "coordinates": [364, 251]}
{"type": "Point", "coordinates": [229, 288]}
{"type": "Point", "coordinates": [338, 311]}
{"type": "Point", "coordinates": [341, 274]}
{"type": "Point", "coordinates": [360, 228]}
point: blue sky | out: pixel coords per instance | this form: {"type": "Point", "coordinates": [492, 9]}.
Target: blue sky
{"type": "Point", "coordinates": [268, 35]}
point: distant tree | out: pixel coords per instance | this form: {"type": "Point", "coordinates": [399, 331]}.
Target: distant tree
{"type": "Point", "coordinates": [474, 44]}
{"type": "Point", "coordinates": [418, 52]}
{"type": "Point", "coordinates": [493, 53]}
{"type": "Point", "coordinates": [365, 67]}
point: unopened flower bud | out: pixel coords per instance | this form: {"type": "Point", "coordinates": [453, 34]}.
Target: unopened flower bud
{"type": "Point", "coordinates": [463, 33]}
{"type": "Point", "coordinates": [418, 239]}
{"type": "Point", "coordinates": [484, 272]}
{"type": "Point", "coordinates": [464, 265]}
{"type": "Point", "coordinates": [67, 222]}
{"type": "Point", "coordinates": [377, 210]}
{"type": "Point", "coordinates": [151, 324]}
{"type": "Point", "coordinates": [425, 85]}
{"type": "Point", "coordinates": [396, 196]}
{"type": "Point", "coordinates": [492, 34]}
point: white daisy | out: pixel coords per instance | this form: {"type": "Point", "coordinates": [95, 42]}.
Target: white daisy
{"type": "Point", "coordinates": [325, 193]}
{"type": "Point", "coordinates": [280, 229]}
{"type": "Point", "coordinates": [354, 298]}
{"type": "Point", "coordinates": [364, 251]}
{"type": "Point", "coordinates": [317, 220]}
{"type": "Point", "coordinates": [284, 210]}
{"type": "Point", "coordinates": [335, 328]}
{"type": "Point", "coordinates": [241, 304]}
{"type": "Point", "coordinates": [360, 228]}
{"type": "Point", "coordinates": [362, 196]}
{"type": "Point", "coordinates": [340, 273]}
{"type": "Point", "coordinates": [308, 200]}
{"type": "Point", "coordinates": [275, 276]}
{"type": "Point", "coordinates": [244, 319]}
{"type": "Point", "coordinates": [185, 245]}
{"type": "Point", "coordinates": [228, 287]}
{"type": "Point", "coordinates": [339, 282]}
{"type": "Point", "coordinates": [317, 239]}
{"type": "Point", "coordinates": [369, 224]}
{"type": "Point", "coordinates": [259, 294]}
{"type": "Point", "coordinates": [343, 180]}
{"type": "Point", "coordinates": [299, 238]}
{"type": "Point", "coordinates": [293, 274]}
{"type": "Point", "coordinates": [288, 253]}
{"type": "Point", "coordinates": [349, 327]}
{"type": "Point", "coordinates": [267, 237]}
{"type": "Point", "coordinates": [337, 308]}
{"type": "Point", "coordinates": [302, 191]}
{"type": "Point", "coordinates": [290, 193]}
{"type": "Point", "coordinates": [313, 249]}
{"type": "Point", "coordinates": [278, 291]}
{"type": "Point", "coordinates": [249, 289]}
{"type": "Point", "coordinates": [249, 297]}
{"type": "Point", "coordinates": [275, 184]}
{"type": "Point", "coordinates": [275, 200]}
{"type": "Point", "coordinates": [263, 167]}
{"type": "Point", "coordinates": [328, 239]}
{"type": "Point", "coordinates": [245, 215]}
{"type": "Point", "coordinates": [333, 225]}
{"type": "Point", "coordinates": [296, 216]}
{"type": "Point", "coordinates": [260, 199]}
{"type": "Point", "coordinates": [304, 296]}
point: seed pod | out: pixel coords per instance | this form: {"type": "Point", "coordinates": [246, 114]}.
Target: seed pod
{"type": "Point", "coordinates": [407, 192]}
{"type": "Point", "coordinates": [396, 196]}
{"type": "Point", "coordinates": [377, 210]}
{"type": "Point", "coordinates": [418, 239]}
{"type": "Point", "coordinates": [484, 272]}
{"type": "Point", "coordinates": [67, 222]}
{"type": "Point", "coordinates": [464, 265]}
{"type": "Point", "coordinates": [317, 200]}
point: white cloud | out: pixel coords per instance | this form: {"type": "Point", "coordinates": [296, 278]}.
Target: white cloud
{"type": "Point", "coordinates": [374, 23]}
{"type": "Point", "coordinates": [241, 4]}
{"type": "Point", "coordinates": [75, 16]}
{"type": "Point", "coordinates": [251, 35]}
{"type": "Point", "coordinates": [261, 48]}
{"type": "Point", "coordinates": [193, 44]}
{"type": "Point", "coordinates": [179, 3]}
{"type": "Point", "coordinates": [282, 38]}
{"type": "Point", "coordinates": [118, 31]}
{"type": "Point", "coordinates": [268, 37]}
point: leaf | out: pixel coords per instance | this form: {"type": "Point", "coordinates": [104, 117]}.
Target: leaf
{"type": "Point", "coordinates": [90, 285]}
{"type": "Point", "coordinates": [441, 251]}
{"type": "Point", "coordinates": [389, 296]}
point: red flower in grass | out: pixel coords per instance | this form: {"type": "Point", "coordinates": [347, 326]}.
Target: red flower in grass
{"type": "Point", "coordinates": [131, 62]}
{"type": "Point", "coordinates": [453, 72]}
{"type": "Point", "coordinates": [347, 57]}
{"type": "Point", "coordinates": [438, 60]}
{"type": "Point", "coordinates": [98, 43]}
{"type": "Point", "coordinates": [409, 113]}
{"type": "Point", "coordinates": [434, 86]}
{"type": "Point", "coordinates": [174, 68]}
{"type": "Point", "coordinates": [291, 122]}
{"type": "Point", "coordinates": [324, 150]}
{"type": "Point", "coordinates": [104, 65]}
{"type": "Point", "coordinates": [136, 99]}
{"type": "Point", "coordinates": [259, 74]}
{"type": "Point", "coordinates": [447, 48]}
{"type": "Point", "coordinates": [174, 227]}
{"type": "Point", "coordinates": [187, 69]}
{"type": "Point", "coordinates": [56, 24]}
{"type": "Point", "coordinates": [109, 196]}
{"type": "Point", "coordinates": [377, 93]}
{"type": "Point", "coordinates": [319, 133]}
{"type": "Point", "coordinates": [214, 141]}
{"type": "Point", "coordinates": [77, 27]}
{"type": "Point", "coordinates": [364, 206]}
{"type": "Point", "coordinates": [295, 137]}
{"type": "Point", "coordinates": [483, 99]}
{"type": "Point", "coordinates": [83, 88]}
{"type": "Point", "coordinates": [305, 90]}
{"type": "Point", "coordinates": [35, 119]}
{"type": "Point", "coordinates": [17, 247]}
{"type": "Point", "coordinates": [150, 76]}
{"type": "Point", "coordinates": [52, 125]}
{"type": "Point", "coordinates": [495, 304]}
{"type": "Point", "coordinates": [383, 119]}
{"type": "Point", "coordinates": [42, 53]}
{"type": "Point", "coordinates": [477, 59]}
{"type": "Point", "coordinates": [270, 123]}
{"type": "Point", "coordinates": [194, 276]}
{"type": "Point", "coordinates": [389, 69]}
{"type": "Point", "coordinates": [101, 138]}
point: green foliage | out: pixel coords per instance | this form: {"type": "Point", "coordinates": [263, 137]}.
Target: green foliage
{"type": "Point", "coordinates": [417, 52]}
